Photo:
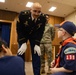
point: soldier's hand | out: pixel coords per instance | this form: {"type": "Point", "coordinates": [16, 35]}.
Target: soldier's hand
{"type": "Point", "coordinates": [37, 49]}
{"type": "Point", "coordinates": [22, 49]}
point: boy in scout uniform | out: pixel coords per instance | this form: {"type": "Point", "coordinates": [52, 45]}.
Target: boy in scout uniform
{"type": "Point", "coordinates": [30, 27]}
{"type": "Point", "coordinates": [65, 63]}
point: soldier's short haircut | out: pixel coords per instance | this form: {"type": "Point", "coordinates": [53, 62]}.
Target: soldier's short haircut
{"type": "Point", "coordinates": [36, 5]}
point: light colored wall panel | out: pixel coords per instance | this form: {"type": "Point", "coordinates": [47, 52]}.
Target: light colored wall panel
{"type": "Point", "coordinates": [72, 17]}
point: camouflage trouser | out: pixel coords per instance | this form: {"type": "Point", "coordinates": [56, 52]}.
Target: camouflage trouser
{"type": "Point", "coordinates": [46, 49]}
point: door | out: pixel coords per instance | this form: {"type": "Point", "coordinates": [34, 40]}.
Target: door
{"type": "Point", "coordinates": [5, 30]}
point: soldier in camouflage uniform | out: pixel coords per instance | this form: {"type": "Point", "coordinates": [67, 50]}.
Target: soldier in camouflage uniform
{"type": "Point", "coordinates": [46, 46]}
{"type": "Point", "coordinates": [30, 27]}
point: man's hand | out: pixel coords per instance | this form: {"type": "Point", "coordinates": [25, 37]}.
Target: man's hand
{"type": "Point", "coordinates": [22, 49]}
{"type": "Point", "coordinates": [37, 49]}
{"type": "Point", "coordinates": [53, 63]}
{"type": "Point", "coordinates": [53, 70]}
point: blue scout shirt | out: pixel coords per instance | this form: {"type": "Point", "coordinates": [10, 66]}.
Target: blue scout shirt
{"type": "Point", "coordinates": [68, 57]}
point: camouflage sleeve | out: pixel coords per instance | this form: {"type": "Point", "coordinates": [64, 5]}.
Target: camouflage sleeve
{"type": "Point", "coordinates": [52, 32]}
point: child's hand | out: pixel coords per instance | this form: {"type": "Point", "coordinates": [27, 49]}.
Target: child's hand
{"type": "Point", "coordinates": [53, 63]}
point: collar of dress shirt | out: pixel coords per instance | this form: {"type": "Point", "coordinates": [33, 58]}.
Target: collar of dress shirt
{"type": "Point", "coordinates": [33, 18]}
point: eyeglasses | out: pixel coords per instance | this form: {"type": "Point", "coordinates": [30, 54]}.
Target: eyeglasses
{"type": "Point", "coordinates": [37, 11]}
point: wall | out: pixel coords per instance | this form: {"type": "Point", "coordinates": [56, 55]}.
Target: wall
{"type": "Point", "coordinates": [72, 17]}
{"type": "Point", "coordinates": [55, 20]}
{"type": "Point", "coordinates": [56, 42]}
{"type": "Point", "coordinates": [8, 16]}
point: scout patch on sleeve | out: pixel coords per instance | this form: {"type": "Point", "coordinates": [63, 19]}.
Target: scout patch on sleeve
{"type": "Point", "coordinates": [70, 57]}
{"type": "Point", "coordinates": [70, 50]}
{"type": "Point", "coordinates": [70, 53]}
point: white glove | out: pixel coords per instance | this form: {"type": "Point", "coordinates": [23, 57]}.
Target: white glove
{"type": "Point", "coordinates": [22, 49]}
{"type": "Point", "coordinates": [37, 49]}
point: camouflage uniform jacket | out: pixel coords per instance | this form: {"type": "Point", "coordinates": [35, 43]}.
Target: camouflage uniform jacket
{"type": "Point", "coordinates": [49, 34]}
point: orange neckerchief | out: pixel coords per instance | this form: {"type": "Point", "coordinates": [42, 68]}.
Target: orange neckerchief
{"type": "Point", "coordinates": [72, 40]}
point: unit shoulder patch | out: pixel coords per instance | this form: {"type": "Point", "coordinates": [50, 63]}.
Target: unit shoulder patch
{"type": "Point", "coordinates": [70, 50]}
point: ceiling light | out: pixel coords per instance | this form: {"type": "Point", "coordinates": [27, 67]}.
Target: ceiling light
{"type": "Point", "coordinates": [29, 4]}
{"type": "Point", "coordinates": [52, 9]}
{"type": "Point", "coordinates": [2, 1]}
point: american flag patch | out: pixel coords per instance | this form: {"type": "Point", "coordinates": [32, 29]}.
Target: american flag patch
{"type": "Point", "coordinates": [70, 57]}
